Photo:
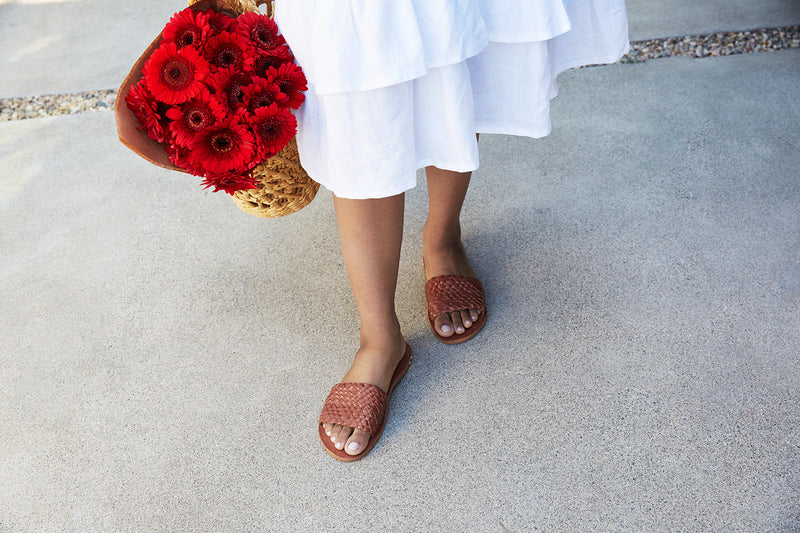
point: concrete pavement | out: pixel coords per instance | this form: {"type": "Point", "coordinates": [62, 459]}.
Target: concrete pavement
{"type": "Point", "coordinates": [164, 357]}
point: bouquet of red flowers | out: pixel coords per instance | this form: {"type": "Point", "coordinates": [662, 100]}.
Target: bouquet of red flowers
{"type": "Point", "coordinates": [218, 93]}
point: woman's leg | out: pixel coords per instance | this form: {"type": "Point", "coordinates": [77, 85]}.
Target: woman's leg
{"type": "Point", "coordinates": [371, 232]}
{"type": "Point", "coordinates": [442, 247]}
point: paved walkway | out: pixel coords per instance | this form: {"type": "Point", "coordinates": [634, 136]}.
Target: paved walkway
{"type": "Point", "coordinates": [163, 359]}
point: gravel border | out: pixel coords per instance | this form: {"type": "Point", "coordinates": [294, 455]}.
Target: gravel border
{"type": "Point", "coordinates": [56, 104]}
{"type": "Point", "coordinates": [715, 44]}
{"type": "Point", "coordinates": [695, 46]}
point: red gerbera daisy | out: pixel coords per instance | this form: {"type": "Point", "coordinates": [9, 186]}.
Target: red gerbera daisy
{"type": "Point", "coordinates": [228, 84]}
{"type": "Point", "coordinates": [180, 157]}
{"type": "Point", "coordinates": [224, 148]}
{"type": "Point", "coordinates": [260, 30]}
{"type": "Point", "coordinates": [261, 93]}
{"type": "Point", "coordinates": [194, 116]}
{"type": "Point", "coordinates": [274, 127]}
{"type": "Point", "coordinates": [173, 76]}
{"type": "Point", "coordinates": [228, 50]}
{"type": "Point", "coordinates": [144, 106]}
{"type": "Point", "coordinates": [290, 78]}
{"type": "Point", "coordinates": [187, 28]}
{"type": "Point", "coordinates": [230, 183]}
{"type": "Point", "coordinates": [219, 21]}
{"type": "Point", "coordinates": [273, 58]}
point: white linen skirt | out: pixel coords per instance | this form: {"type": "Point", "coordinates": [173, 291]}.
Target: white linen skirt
{"type": "Point", "coordinates": [404, 84]}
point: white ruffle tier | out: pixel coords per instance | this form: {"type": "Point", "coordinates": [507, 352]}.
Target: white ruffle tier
{"type": "Point", "coordinates": [397, 85]}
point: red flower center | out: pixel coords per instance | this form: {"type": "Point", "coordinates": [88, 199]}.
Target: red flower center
{"type": "Point", "coordinates": [286, 85]}
{"type": "Point", "coordinates": [270, 129]}
{"type": "Point", "coordinates": [221, 142]}
{"type": "Point", "coordinates": [198, 117]}
{"type": "Point", "coordinates": [263, 36]}
{"type": "Point", "coordinates": [262, 99]}
{"type": "Point", "coordinates": [177, 73]}
{"type": "Point", "coordinates": [227, 56]}
{"type": "Point", "coordinates": [188, 36]}
{"type": "Point", "coordinates": [234, 89]}
{"type": "Point", "coordinates": [263, 63]}
{"type": "Point", "coordinates": [260, 30]}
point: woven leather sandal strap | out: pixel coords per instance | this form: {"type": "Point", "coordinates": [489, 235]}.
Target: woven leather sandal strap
{"type": "Point", "coordinates": [357, 405]}
{"type": "Point", "coordinates": [446, 294]}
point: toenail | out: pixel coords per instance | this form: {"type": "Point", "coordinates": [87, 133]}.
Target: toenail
{"type": "Point", "coordinates": [339, 445]}
{"type": "Point", "coordinates": [353, 447]}
{"type": "Point", "coordinates": [445, 328]}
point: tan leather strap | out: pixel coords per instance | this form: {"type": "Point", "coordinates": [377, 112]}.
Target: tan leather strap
{"type": "Point", "coordinates": [357, 405]}
{"type": "Point", "coordinates": [446, 294]}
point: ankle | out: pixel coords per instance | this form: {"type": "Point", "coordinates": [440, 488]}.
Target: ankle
{"type": "Point", "coordinates": [381, 338]}
{"type": "Point", "coordinates": [376, 359]}
{"type": "Point", "coordinates": [442, 234]}
{"type": "Point", "coordinates": [445, 256]}
{"type": "Point", "coordinates": [385, 345]}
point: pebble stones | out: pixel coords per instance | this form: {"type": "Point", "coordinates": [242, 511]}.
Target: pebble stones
{"type": "Point", "coordinates": [714, 44]}
{"type": "Point", "coordinates": [55, 104]}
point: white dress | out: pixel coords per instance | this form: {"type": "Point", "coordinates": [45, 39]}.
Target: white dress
{"type": "Point", "coordinates": [397, 85]}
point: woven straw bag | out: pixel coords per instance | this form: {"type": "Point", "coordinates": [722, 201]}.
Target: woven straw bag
{"type": "Point", "coordinates": [284, 186]}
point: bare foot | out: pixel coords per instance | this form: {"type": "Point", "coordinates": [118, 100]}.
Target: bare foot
{"type": "Point", "coordinates": [375, 364]}
{"type": "Point", "coordinates": [449, 258]}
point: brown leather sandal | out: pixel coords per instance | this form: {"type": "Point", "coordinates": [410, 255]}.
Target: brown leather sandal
{"type": "Point", "coordinates": [359, 405]}
{"type": "Point", "coordinates": [446, 294]}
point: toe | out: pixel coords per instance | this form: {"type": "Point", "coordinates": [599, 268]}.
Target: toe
{"type": "Point", "coordinates": [444, 326]}
{"type": "Point", "coordinates": [340, 435]}
{"type": "Point", "coordinates": [466, 318]}
{"type": "Point", "coordinates": [334, 432]}
{"type": "Point", "coordinates": [344, 435]}
{"type": "Point", "coordinates": [458, 326]}
{"type": "Point", "coordinates": [357, 442]}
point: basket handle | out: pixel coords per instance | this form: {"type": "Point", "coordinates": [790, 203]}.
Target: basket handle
{"type": "Point", "coordinates": [237, 6]}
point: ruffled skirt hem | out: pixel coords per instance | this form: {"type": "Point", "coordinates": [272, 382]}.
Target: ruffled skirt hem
{"type": "Point", "coordinates": [369, 144]}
